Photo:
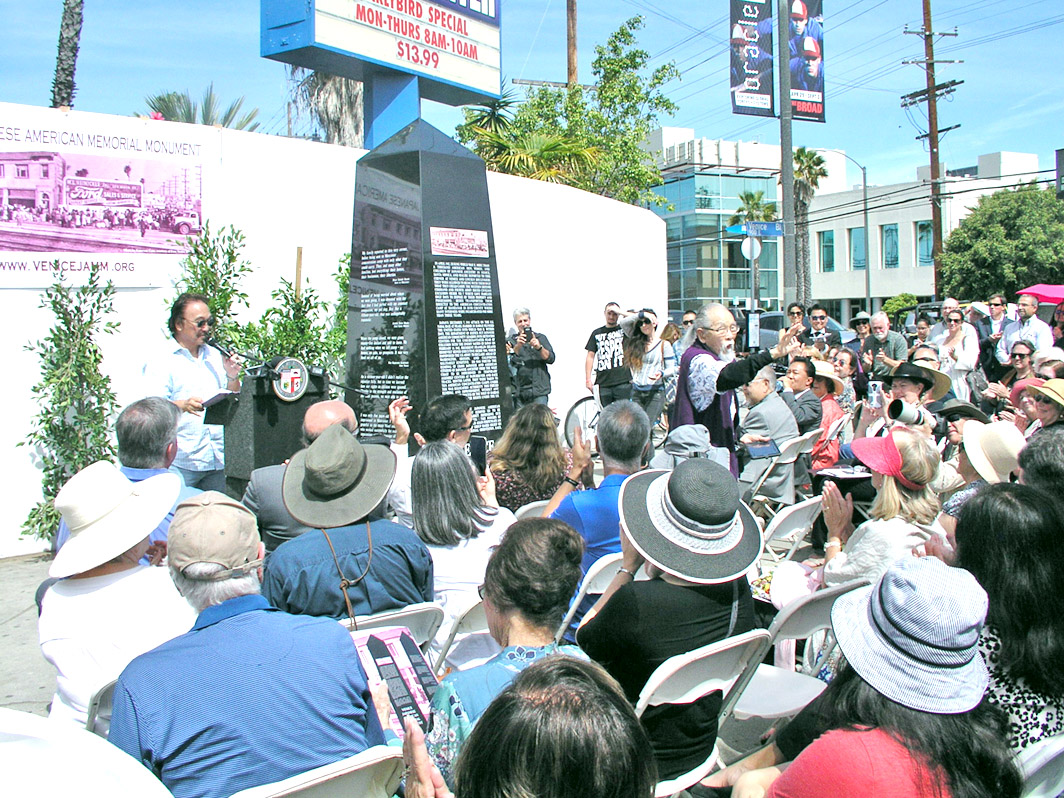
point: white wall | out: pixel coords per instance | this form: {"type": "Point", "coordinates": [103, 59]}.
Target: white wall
{"type": "Point", "coordinates": [562, 252]}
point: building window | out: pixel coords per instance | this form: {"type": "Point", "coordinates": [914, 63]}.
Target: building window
{"type": "Point", "coordinates": [889, 245]}
{"type": "Point", "coordinates": [22, 170]}
{"type": "Point", "coordinates": [44, 170]}
{"type": "Point", "coordinates": [826, 243]}
{"type": "Point", "coordinates": [857, 248]}
{"type": "Point", "coordinates": [924, 244]}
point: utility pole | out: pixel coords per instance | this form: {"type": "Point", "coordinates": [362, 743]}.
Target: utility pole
{"type": "Point", "coordinates": [790, 263]}
{"type": "Point", "coordinates": [931, 94]}
{"type": "Point", "coordinates": [570, 31]}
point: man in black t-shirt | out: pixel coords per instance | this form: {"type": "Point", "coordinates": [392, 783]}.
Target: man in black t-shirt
{"type": "Point", "coordinates": [605, 366]}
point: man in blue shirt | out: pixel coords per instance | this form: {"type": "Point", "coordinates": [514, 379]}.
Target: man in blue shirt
{"type": "Point", "coordinates": [147, 445]}
{"type": "Point", "coordinates": [251, 695]}
{"type": "Point", "coordinates": [345, 564]}
{"type": "Point", "coordinates": [189, 372]}
{"type": "Point", "coordinates": [623, 442]}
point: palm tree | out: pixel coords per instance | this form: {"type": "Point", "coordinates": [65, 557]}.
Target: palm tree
{"type": "Point", "coordinates": [808, 169]}
{"type": "Point", "coordinates": [495, 116]}
{"type": "Point", "coordinates": [180, 107]}
{"type": "Point", "coordinates": [753, 208]}
{"type": "Point", "coordinates": [539, 156]}
{"type": "Point", "coordinates": [66, 60]}
{"type": "Point", "coordinates": [333, 102]}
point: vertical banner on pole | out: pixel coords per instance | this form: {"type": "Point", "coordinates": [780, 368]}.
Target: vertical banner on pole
{"type": "Point", "coordinates": [807, 59]}
{"type": "Point", "coordinates": [751, 58]}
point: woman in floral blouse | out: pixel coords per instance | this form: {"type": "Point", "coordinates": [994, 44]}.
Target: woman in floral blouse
{"type": "Point", "coordinates": [529, 462]}
{"type": "Point", "coordinates": [530, 579]}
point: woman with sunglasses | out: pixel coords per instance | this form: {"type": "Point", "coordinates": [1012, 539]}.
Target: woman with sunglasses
{"type": "Point", "coordinates": [1021, 367]}
{"type": "Point", "coordinates": [1050, 402]}
{"type": "Point", "coordinates": [651, 360]}
{"type": "Point", "coordinates": [1057, 325]}
{"type": "Point", "coordinates": [959, 353]}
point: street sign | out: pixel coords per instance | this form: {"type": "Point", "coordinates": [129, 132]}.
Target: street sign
{"type": "Point", "coordinates": [751, 248]}
{"type": "Point", "coordinates": [765, 229]}
{"type": "Point", "coordinates": [736, 229]}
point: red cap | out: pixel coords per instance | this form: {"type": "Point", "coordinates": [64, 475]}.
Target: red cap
{"type": "Point", "coordinates": [810, 48]}
{"type": "Point", "coordinates": [798, 10]}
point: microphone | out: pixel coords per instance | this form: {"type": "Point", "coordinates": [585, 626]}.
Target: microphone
{"type": "Point", "coordinates": [212, 341]}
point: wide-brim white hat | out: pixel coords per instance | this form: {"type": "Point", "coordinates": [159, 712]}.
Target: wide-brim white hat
{"type": "Point", "coordinates": [993, 449]}
{"type": "Point", "coordinates": [108, 514]}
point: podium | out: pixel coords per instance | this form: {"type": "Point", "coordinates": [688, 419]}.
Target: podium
{"type": "Point", "coordinates": [261, 429]}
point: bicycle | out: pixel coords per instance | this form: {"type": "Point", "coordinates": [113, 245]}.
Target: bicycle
{"type": "Point", "coordinates": [584, 415]}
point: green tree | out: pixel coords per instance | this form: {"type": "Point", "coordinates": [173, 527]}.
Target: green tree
{"type": "Point", "coordinates": [63, 88]}
{"type": "Point", "coordinates": [540, 156]}
{"type": "Point", "coordinates": [214, 265]}
{"type": "Point", "coordinates": [490, 118]}
{"type": "Point", "coordinates": [72, 428]}
{"type": "Point", "coordinates": [899, 302]}
{"type": "Point", "coordinates": [612, 120]}
{"type": "Point", "coordinates": [808, 169]}
{"type": "Point", "coordinates": [333, 102]}
{"type": "Point", "coordinates": [753, 208]}
{"type": "Point", "coordinates": [180, 107]}
{"type": "Point", "coordinates": [1012, 239]}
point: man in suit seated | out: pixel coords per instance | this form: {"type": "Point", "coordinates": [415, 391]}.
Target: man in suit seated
{"type": "Point", "coordinates": [768, 419]}
{"type": "Point", "coordinates": [263, 493]}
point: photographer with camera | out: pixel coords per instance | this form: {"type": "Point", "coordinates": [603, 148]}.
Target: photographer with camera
{"type": "Point", "coordinates": [532, 353]}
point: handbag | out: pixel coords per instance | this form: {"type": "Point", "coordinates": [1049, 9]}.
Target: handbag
{"type": "Point", "coordinates": [670, 382]}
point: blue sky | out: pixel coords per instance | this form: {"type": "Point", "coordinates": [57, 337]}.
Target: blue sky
{"type": "Point", "coordinates": [1012, 98]}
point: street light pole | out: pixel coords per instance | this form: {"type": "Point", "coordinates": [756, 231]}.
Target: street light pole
{"type": "Point", "coordinates": [867, 259]}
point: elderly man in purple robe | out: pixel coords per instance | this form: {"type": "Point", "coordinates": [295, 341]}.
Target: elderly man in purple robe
{"type": "Point", "coordinates": [710, 373]}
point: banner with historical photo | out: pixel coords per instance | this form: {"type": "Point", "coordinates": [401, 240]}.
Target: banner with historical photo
{"type": "Point", "coordinates": [807, 59]}
{"type": "Point", "coordinates": [751, 58]}
{"type": "Point", "coordinates": [83, 189]}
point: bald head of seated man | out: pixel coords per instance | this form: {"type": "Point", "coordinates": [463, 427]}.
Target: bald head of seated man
{"type": "Point", "coordinates": [263, 493]}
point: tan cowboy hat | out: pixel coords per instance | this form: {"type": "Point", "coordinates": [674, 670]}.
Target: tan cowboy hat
{"type": "Point", "coordinates": [108, 515]}
{"type": "Point", "coordinates": [336, 480]}
{"type": "Point", "coordinates": [827, 371]}
{"type": "Point", "coordinates": [993, 449]}
{"type": "Point", "coordinates": [1054, 389]}
{"type": "Point", "coordinates": [934, 380]}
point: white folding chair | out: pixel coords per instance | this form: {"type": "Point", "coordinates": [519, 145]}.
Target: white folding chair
{"type": "Point", "coordinates": [789, 452]}
{"type": "Point", "coordinates": [99, 717]}
{"type": "Point", "coordinates": [375, 773]}
{"type": "Point", "coordinates": [685, 678]}
{"type": "Point", "coordinates": [809, 440]}
{"type": "Point", "coordinates": [595, 581]}
{"type": "Point", "coordinates": [532, 509]}
{"type": "Point", "coordinates": [423, 620]}
{"type": "Point", "coordinates": [471, 621]}
{"type": "Point", "coordinates": [1042, 765]}
{"type": "Point", "coordinates": [790, 526]}
{"type": "Point", "coordinates": [838, 425]}
{"type": "Point", "coordinates": [766, 691]}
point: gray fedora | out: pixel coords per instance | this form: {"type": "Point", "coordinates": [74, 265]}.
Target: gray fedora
{"type": "Point", "coordinates": [914, 635]}
{"type": "Point", "coordinates": [336, 480]}
{"type": "Point", "coordinates": [690, 522]}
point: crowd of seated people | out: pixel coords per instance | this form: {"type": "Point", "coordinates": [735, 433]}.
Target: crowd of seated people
{"type": "Point", "coordinates": [950, 660]}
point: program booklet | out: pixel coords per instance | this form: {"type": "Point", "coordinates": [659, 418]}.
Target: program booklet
{"type": "Point", "coordinates": [390, 655]}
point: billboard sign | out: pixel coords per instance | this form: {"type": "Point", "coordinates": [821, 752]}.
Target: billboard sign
{"type": "Point", "coordinates": [751, 58]}
{"type": "Point", "coordinates": [452, 45]}
{"type": "Point", "coordinates": [103, 193]}
{"type": "Point", "coordinates": [807, 59]}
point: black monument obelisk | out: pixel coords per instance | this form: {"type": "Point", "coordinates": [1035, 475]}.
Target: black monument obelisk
{"type": "Point", "coordinates": [424, 316]}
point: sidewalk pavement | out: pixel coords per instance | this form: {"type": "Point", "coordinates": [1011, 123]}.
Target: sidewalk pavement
{"type": "Point", "coordinates": [27, 681]}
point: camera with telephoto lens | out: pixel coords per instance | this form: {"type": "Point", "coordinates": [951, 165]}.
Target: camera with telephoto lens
{"type": "Point", "coordinates": [912, 415]}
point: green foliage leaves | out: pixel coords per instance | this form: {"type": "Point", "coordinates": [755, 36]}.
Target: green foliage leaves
{"type": "Point", "coordinates": [1012, 239]}
{"type": "Point", "coordinates": [899, 302]}
{"type": "Point", "coordinates": [297, 324]}
{"type": "Point", "coordinates": [214, 266]}
{"type": "Point", "coordinates": [589, 139]}
{"type": "Point", "coordinates": [180, 107]}
{"type": "Point", "coordinates": [73, 426]}
{"type": "Point", "coordinates": [753, 208]}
